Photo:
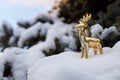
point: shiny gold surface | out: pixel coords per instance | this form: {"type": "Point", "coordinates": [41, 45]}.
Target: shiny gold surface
{"type": "Point", "coordinates": [87, 42]}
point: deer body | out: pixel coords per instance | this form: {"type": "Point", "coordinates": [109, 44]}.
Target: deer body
{"type": "Point", "coordinates": [87, 42]}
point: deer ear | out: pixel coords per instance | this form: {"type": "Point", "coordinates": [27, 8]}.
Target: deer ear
{"type": "Point", "coordinates": [90, 15]}
{"type": "Point", "coordinates": [83, 18]}
{"type": "Point", "coordinates": [87, 15]}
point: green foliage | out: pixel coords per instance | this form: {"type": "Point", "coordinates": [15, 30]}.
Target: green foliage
{"type": "Point", "coordinates": [112, 16]}
{"type": "Point", "coordinates": [72, 10]}
{"type": "Point", "coordinates": [105, 12]}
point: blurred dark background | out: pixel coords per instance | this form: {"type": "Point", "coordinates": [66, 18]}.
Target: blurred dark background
{"type": "Point", "coordinates": [105, 12]}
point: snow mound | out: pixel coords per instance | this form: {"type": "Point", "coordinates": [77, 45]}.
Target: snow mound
{"type": "Point", "coordinates": [69, 66]}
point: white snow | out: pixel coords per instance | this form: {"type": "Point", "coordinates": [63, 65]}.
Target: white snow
{"type": "Point", "coordinates": [99, 32]}
{"type": "Point", "coordinates": [108, 31]}
{"type": "Point", "coordinates": [32, 56]}
{"type": "Point", "coordinates": [96, 30]}
{"type": "Point", "coordinates": [30, 32]}
{"type": "Point", "coordinates": [20, 60]}
{"type": "Point", "coordinates": [17, 31]}
{"type": "Point", "coordinates": [69, 66]}
{"type": "Point", "coordinates": [16, 58]}
{"type": "Point", "coordinates": [60, 31]}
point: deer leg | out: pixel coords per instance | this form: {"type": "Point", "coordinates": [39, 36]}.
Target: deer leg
{"type": "Point", "coordinates": [100, 49]}
{"type": "Point", "coordinates": [84, 54]}
{"type": "Point", "coordinates": [82, 50]}
{"type": "Point", "coordinates": [95, 51]}
{"type": "Point", "coordinates": [86, 50]}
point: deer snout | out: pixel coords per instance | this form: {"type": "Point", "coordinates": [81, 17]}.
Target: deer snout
{"type": "Point", "coordinates": [75, 27]}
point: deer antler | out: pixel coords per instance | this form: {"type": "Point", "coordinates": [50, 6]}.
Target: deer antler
{"type": "Point", "coordinates": [83, 21]}
{"type": "Point", "coordinates": [86, 18]}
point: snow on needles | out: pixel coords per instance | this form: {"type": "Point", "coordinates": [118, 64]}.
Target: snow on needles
{"type": "Point", "coordinates": [60, 31]}
{"type": "Point", "coordinates": [21, 60]}
{"type": "Point", "coordinates": [14, 57]}
{"type": "Point", "coordinates": [98, 31]}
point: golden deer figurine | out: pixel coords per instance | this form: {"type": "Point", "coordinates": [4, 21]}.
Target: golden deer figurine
{"type": "Point", "coordinates": [87, 42]}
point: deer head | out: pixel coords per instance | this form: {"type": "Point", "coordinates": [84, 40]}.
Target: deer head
{"type": "Point", "coordinates": [83, 22]}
